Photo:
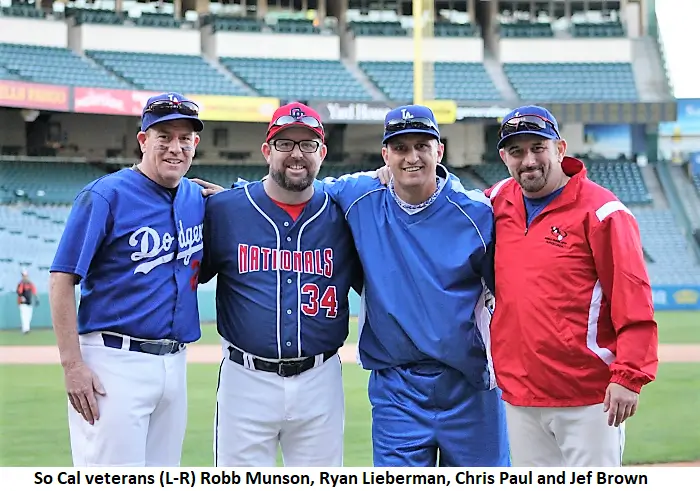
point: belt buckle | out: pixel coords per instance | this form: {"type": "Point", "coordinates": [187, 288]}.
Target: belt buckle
{"type": "Point", "coordinates": [294, 369]}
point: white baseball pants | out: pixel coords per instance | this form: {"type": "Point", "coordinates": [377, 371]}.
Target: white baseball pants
{"type": "Point", "coordinates": [25, 316]}
{"type": "Point", "coordinates": [563, 437]}
{"type": "Point", "coordinates": [256, 411]}
{"type": "Point", "coordinates": [143, 415]}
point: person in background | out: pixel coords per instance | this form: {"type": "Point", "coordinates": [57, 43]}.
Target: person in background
{"type": "Point", "coordinates": [27, 298]}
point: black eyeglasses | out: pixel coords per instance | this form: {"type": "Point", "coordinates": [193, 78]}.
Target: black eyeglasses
{"type": "Point", "coordinates": [306, 146]}
{"type": "Point", "coordinates": [528, 122]}
{"type": "Point", "coordinates": [186, 108]}
{"type": "Point", "coordinates": [395, 125]}
{"type": "Point", "coordinates": [309, 121]}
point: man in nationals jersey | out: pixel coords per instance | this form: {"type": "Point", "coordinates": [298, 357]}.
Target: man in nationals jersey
{"type": "Point", "coordinates": [285, 261]}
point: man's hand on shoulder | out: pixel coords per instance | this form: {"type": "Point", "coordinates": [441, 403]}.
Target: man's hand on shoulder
{"type": "Point", "coordinates": [384, 174]}
{"type": "Point", "coordinates": [208, 188]}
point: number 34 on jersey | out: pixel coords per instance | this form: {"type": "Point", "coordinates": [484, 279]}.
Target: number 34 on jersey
{"type": "Point", "coordinates": [315, 298]}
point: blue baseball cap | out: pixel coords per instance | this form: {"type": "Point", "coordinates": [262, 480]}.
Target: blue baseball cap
{"type": "Point", "coordinates": [410, 119]}
{"type": "Point", "coordinates": [529, 120]}
{"type": "Point", "coordinates": [168, 107]}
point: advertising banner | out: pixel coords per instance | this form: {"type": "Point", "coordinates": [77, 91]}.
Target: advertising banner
{"type": "Point", "coordinates": [676, 297]}
{"type": "Point", "coordinates": [351, 112]}
{"type": "Point", "coordinates": [446, 112]}
{"type": "Point", "coordinates": [28, 95]}
{"type": "Point", "coordinates": [109, 101]}
{"type": "Point", "coordinates": [235, 108]}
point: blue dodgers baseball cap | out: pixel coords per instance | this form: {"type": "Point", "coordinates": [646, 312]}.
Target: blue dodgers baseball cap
{"type": "Point", "coordinates": [167, 107]}
{"type": "Point", "coordinates": [410, 119]}
{"type": "Point", "coordinates": [528, 120]}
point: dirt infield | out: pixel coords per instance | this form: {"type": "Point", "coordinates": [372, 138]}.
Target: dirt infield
{"type": "Point", "coordinates": [200, 353]}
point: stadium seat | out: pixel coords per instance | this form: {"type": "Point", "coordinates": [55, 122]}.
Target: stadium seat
{"type": "Point", "coordinates": [526, 30]}
{"type": "Point", "coordinates": [298, 79]}
{"type": "Point", "coordinates": [622, 178]}
{"type": "Point", "coordinates": [570, 82]}
{"type": "Point", "coordinates": [60, 66]}
{"type": "Point", "coordinates": [167, 72]}
{"type": "Point", "coordinates": [456, 81]}
{"type": "Point", "coordinates": [44, 182]}
{"type": "Point", "coordinates": [696, 182]}
{"type": "Point", "coordinates": [379, 28]}
{"type": "Point", "coordinates": [95, 16]}
{"type": "Point", "coordinates": [233, 24]}
{"type": "Point", "coordinates": [663, 240]}
{"type": "Point", "coordinates": [491, 173]}
{"type": "Point", "coordinates": [295, 26]}
{"type": "Point", "coordinates": [598, 30]}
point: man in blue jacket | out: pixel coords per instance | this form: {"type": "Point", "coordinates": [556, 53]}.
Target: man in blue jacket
{"type": "Point", "coordinates": [426, 246]}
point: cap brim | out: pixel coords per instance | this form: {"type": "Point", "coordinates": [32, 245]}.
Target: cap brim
{"type": "Point", "coordinates": [198, 125]}
{"type": "Point", "coordinates": [549, 136]}
{"type": "Point", "coordinates": [410, 130]}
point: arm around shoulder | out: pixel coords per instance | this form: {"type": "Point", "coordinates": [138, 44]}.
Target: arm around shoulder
{"type": "Point", "coordinates": [346, 189]}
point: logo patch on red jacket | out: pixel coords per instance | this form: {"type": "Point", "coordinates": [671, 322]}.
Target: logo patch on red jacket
{"type": "Point", "coordinates": [556, 237]}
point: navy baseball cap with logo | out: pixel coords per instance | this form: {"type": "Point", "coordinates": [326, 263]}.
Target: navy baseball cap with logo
{"type": "Point", "coordinates": [410, 119]}
{"type": "Point", "coordinates": [528, 120]}
{"type": "Point", "coordinates": [168, 107]}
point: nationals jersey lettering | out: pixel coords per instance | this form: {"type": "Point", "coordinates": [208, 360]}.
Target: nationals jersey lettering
{"type": "Point", "coordinates": [151, 243]}
{"type": "Point", "coordinates": [282, 284]}
{"type": "Point", "coordinates": [252, 258]}
{"type": "Point", "coordinates": [128, 238]}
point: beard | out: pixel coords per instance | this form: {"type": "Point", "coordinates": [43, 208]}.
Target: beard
{"type": "Point", "coordinates": [533, 182]}
{"type": "Point", "coordinates": [296, 184]}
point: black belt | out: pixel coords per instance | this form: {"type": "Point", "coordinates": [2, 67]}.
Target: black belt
{"type": "Point", "coordinates": [281, 368]}
{"type": "Point", "coordinates": [158, 348]}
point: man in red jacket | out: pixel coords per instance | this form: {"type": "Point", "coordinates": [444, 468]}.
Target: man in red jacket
{"type": "Point", "coordinates": [573, 333]}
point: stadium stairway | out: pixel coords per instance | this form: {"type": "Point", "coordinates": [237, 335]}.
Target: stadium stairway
{"type": "Point", "coordinates": [687, 194]}
{"type": "Point", "coordinates": [362, 77]}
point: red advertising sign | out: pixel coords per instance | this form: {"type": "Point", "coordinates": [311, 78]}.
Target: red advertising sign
{"type": "Point", "coordinates": [34, 96]}
{"type": "Point", "coordinates": [109, 101]}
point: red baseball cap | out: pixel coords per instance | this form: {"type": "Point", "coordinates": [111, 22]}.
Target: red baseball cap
{"type": "Point", "coordinates": [295, 114]}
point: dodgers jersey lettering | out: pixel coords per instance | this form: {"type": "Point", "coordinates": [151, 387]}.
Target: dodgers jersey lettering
{"type": "Point", "coordinates": [282, 286]}
{"type": "Point", "coordinates": [138, 252]}
{"type": "Point", "coordinates": [423, 292]}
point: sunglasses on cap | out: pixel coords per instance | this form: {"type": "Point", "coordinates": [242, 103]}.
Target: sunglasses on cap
{"type": "Point", "coordinates": [395, 125]}
{"type": "Point", "coordinates": [186, 108]}
{"type": "Point", "coordinates": [309, 121]}
{"type": "Point", "coordinates": [529, 122]}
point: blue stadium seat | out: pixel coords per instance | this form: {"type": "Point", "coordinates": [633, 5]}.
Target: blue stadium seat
{"type": "Point", "coordinates": [569, 82]}
{"type": "Point", "coordinates": [166, 72]}
{"type": "Point", "coordinates": [44, 182]}
{"type": "Point", "coordinates": [298, 79]}
{"type": "Point", "coordinates": [455, 81]}
{"type": "Point", "coordinates": [527, 30]}
{"type": "Point", "coordinates": [59, 66]}
{"type": "Point", "coordinates": [696, 182]}
{"type": "Point", "coordinates": [662, 238]}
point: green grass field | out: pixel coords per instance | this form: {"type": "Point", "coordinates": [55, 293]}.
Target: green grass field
{"type": "Point", "coordinates": [34, 430]}
{"type": "Point", "coordinates": [674, 327]}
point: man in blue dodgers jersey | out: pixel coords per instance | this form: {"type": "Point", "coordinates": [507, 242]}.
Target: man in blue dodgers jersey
{"type": "Point", "coordinates": [426, 245]}
{"type": "Point", "coordinates": [133, 241]}
{"type": "Point", "coordinates": [285, 261]}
